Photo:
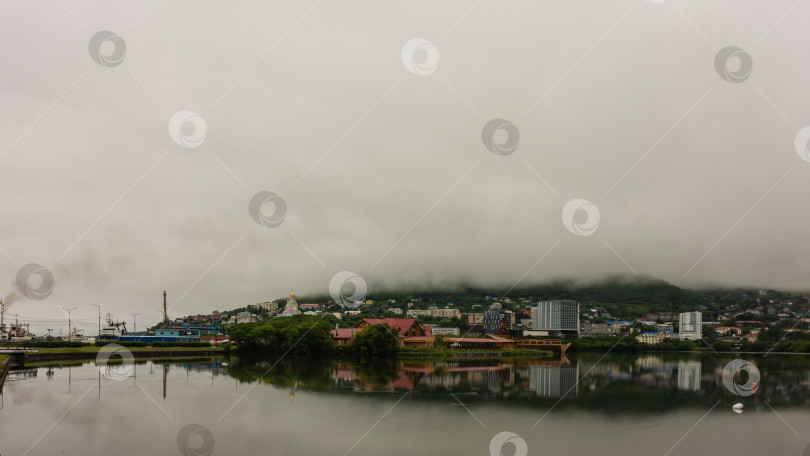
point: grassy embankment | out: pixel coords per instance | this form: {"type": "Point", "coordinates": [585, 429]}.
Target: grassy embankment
{"type": "Point", "coordinates": [94, 349]}
{"type": "Point", "coordinates": [439, 353]}
{"type": "Point", "coordinates": [45, 356]}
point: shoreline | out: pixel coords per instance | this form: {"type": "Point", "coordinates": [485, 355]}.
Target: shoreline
{"type": "Point", "coordinates": [82, 353]}
{"type": "Point", "coordinates": [690, 351]}
{"type": "Point", "coordinates": [5, 361]}
{"type": "Point", "coordinates": [66, 356]}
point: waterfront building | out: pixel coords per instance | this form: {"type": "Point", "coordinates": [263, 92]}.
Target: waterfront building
{"type": "Point", "coordinates": [444, 331]}
{"type": "Point", "coordinates": [342, 336]}
{"type": "Point", "coordinates": [184, 333]}
{"type": "Point", "coordinates": [411, 333]}
{"type": "Point", "coordinates": [690, 326]}
{"type": "Point", "coordinates": [560, 316]}
{"type": "Point", "coordinates": [531, 333]}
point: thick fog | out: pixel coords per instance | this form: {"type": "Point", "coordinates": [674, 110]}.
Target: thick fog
{"type": "Point", "coordinates": [415, 144]}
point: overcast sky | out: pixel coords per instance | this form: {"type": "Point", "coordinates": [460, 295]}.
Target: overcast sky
{"type": "Point", "coordinates": [375, 144]}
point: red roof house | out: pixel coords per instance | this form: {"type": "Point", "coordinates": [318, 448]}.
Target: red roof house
{"type": "Point", "coordinates": [411, 332]}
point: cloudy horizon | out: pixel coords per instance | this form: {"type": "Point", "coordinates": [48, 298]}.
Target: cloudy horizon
{"type": "Point", "coordinates": [415, 145]}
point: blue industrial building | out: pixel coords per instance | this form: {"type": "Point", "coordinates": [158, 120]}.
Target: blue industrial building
{"type": "Point", "coordinates": [183, 333]}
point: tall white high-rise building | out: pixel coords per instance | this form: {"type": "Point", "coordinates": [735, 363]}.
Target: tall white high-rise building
{"type": "Point", "coordinates": [556, 316]}
{"type": "Point", "coordinates": [690, 326]}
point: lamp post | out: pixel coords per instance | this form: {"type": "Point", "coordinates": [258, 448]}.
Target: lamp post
{"type": "Point", "coordinates": [49, 337]}
{"type": "Point", "coordinates": [99, 318]}
{"type": "Point", "coordinates": [134, 322]}
{"type": "Point", "coordinates": [68, 311]}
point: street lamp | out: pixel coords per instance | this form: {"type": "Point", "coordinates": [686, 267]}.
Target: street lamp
{"type": "Point", "coordinates": [68, 311]}
{"type": "Point", "coordinates": [99, 317]}
{"type": "Point", "coordinates": [134, 322]}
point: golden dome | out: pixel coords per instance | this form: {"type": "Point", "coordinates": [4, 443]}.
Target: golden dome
{"type": "Point", "coordinates": [292, 294]}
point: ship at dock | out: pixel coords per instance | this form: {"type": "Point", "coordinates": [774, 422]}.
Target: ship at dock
{"type": "Point", "coordinates": [14, 332]}
{"type": "Point", "coordinates": [77, 335]}
{"type": "Point", "coordinates": [112, 330]}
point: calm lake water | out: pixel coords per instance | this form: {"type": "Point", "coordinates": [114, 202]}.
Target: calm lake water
{"type": "Point", "coordinates": [649, 404]}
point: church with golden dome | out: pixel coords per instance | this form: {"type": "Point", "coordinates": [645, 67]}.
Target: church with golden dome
{"type": "Point", "coordinates": [292, 308]}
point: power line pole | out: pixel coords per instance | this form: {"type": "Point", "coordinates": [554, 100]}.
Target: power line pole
{"type": "Point", "coordinates": [99, 317]}
{"type": "Point", "coordinates": [134, 322]}
{"type": "Point", "coordinates": [68, 311]}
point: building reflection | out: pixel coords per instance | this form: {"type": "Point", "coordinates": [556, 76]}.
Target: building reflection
{"type": "Point", "coordinates": [554, 382]}
{"type": "Point", "coordinates": [556, 378]}
{"type": "Point", "coordinates": [689, 375]}
{"type": "Point", "coordinates": [656, 381]}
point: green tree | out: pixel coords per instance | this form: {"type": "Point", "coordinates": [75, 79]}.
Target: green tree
{"type": "Point", "coordinates": [376, 342]}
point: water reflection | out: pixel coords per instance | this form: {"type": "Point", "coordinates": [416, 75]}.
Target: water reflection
{"type": "Point", "coordinates": [596, 404]}
{"type": "Point", "coordinates": [642, 382]}
{"type": "Point", "coordinates": [614, 382]}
